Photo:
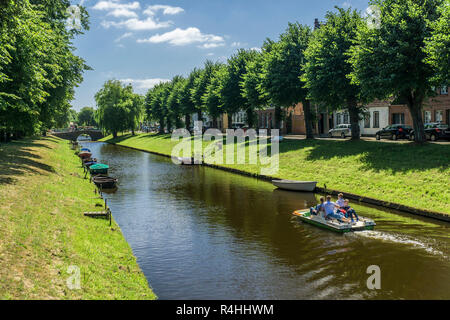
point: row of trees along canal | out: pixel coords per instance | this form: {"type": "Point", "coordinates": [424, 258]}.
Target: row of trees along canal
{"type": "Point", "coordinates": [38, 69]}
{"type": "Point", "coordinates": [401, 52]}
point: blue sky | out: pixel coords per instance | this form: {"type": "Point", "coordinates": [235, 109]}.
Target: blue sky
{"type": "Point", "coordinates": [143, 42]}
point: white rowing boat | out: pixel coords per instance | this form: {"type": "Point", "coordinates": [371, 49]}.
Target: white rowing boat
{"type": "Point", "coordinates": [335, 225]}
{"type": "Point", "coordinates": [307, 186]}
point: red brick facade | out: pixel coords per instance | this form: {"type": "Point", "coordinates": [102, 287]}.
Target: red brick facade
{"type": "Point", "coordinates": [436, 109]}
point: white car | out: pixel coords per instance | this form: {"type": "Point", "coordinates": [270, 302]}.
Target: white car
{"type": "Point", "coordinates": [342, 131]}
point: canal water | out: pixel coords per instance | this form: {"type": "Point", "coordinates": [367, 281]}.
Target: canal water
{"type": "Point", "coordinates": [202, 233]}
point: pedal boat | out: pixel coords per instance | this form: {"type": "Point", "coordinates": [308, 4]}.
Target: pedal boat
{"type": "Point", "coordinates": [333, 224]}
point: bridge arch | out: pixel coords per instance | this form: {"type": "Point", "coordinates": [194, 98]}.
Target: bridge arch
{"type": "Point", "coordinates": [73, 136]}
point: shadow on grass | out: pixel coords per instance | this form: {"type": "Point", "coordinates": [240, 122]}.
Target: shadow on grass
{"type": "Point", "coordinates": [16, 159]}
{"type": "Point", "coordinates": [376, 156]}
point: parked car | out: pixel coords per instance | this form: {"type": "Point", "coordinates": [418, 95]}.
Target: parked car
{"type": "Point", "coordinates": [394, 132]}
{"type": "Point", "coordinates": [434, 131]}
{"type": "Point", "coordinates": [342, 130]}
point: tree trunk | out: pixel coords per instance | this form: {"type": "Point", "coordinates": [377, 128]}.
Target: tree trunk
{"type": "Point", "coordinates": [199, 115]}
{"type": "Point", "coordinates": [250, 118]}
{"type": "Point", "coordinates": [277, 117]}
{"type": "Point", "coordinates": [308, 119]}
{"type": "Point", "coordinates": [114, 134]}
{"type": "Point", "coordinates": [187, 121]}
{"type": "Point", "coordinates": [161, 125]}
{"type": "Point", "coordinates": [230, 120]}
{"type": "Point", "coordinates": [169, 124]}
{"type": "Point", "coordinates": [353, 110]}
{"type": "Point", "coordinates": [415, 108]}
{"type": "Point", "coordinates": [214, 122]}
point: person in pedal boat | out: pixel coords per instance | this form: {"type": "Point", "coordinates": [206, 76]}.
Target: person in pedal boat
{"type": "Point", "coordinates": [332, 212]}
{"type": "Point", "coordinates": [319, 208]}
{"type": "Point", "coordinates": [349, 211]}
{"type": "Point", "coordinates": [340, 200]}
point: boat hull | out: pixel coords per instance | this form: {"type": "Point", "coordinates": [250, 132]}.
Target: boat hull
{"type": "Point", "coordinates": [334, 225]}
{"type": "Point", "coordinates": [305, 186]}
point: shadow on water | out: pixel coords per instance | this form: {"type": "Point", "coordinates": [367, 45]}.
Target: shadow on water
{"type": "Point", "coordinates": [17, 159]}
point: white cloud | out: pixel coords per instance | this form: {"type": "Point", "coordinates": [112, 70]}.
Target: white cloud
{"type": "Point", "coordinates": [114, 5]}
{"type": "Point", "coordinates": [143, 84]}
{"type": "Point", "coordinates": [122, 12]}
{"type": "Point", "coordinates": [136, 24]}
{"type": "Point", "coordinates": [125, 35]}
{"type": "Point", "coordinates": [181, 37]}
{"type": "Point", "coordinates": [151, 10]}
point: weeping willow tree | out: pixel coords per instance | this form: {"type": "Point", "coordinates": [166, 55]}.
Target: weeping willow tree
{"type": "Point", "coordinates": [118, 108]}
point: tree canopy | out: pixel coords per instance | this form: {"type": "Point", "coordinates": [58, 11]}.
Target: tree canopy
{"type": "Point", "coordinates": [119, 109]}
{"type": "Point", "coordinates": [390, 59]}
{"type": "Point", "coordinates": [327, 68]}
{"type": "Point", "coordinates": [38, 69]}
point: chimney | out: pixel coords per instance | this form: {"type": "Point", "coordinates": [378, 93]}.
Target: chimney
{"type": "Point", "coordinates": [316, 24]}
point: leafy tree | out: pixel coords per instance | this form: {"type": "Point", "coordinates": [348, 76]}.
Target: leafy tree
{"type": "Point", "coordinates": [438, 45]}
{"type": "Point", "coordinates": [86, 117]}
{"type": "Point", "coordinates": [38, 69]}
{"type": "Point", "coordinates": [201, 83]}
{"type": "Point", "coordinates": [251, 84]}
{"type": "Point", "coordinates": [390, 59]}
{"type": "Point", "coordinates": [283, 70]}
{"type": "Point", "coordinates": [185, 98]}
{"type": "Point", "coordinates": [212, 97]}
{"type": "Point", "coordinates": [173, 101]}
{"type": "Point", "coordinates": [118, 107]}
{"type": "Point", "coordinates": [327, 67]}
{"type": "Point", "coordinates": [231, 95]}
{"type": "Point", "coordinates": [155, 104]}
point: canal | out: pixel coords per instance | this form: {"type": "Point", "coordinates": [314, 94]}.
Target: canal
{"type": "Point", "coordinates": [202, 233]}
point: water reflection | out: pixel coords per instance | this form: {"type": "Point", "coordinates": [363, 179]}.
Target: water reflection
{"type": "Point", "coordinates": [201, 233]}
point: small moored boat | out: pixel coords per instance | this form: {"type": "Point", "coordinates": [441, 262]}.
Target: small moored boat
{"type": "Point", "coordinates": [105, 182]}
{"type": "Point", "coordinates": [85, 149]}
{"type": "Point", "coordinates": [333, 224]}
{"type": "Point", "coordinates": [307, 186]}
{"type": "Point", "coordinates": [84, 155]}
{"type": "Point", "coordinates": [99, 168]}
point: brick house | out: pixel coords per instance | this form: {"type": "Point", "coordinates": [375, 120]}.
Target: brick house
{"type": "Point", "coordinates": [435, 109]}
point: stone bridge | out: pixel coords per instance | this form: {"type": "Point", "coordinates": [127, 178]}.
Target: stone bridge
{"type": "Point", "coordinates": [73, 135]}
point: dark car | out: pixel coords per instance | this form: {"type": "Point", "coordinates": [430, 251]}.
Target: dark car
{"type": "Point", "coordinates": [394, 132]}
{"type": "Point", "coordinates": [434, 131]}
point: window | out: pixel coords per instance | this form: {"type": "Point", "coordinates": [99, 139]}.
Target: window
{"type": "Point", "coordinates": [367, 120]}
{"type": "Point", "coordinates": [439, 115]}
{"type": "Point", "coordinates": [427, 116]}
{"type": "Point", "coordinates": [338, 119]}
{"type": "Point", "coordinates": [376, 119]}
{"type": "Point", "coordinates": [346, 118]}
{"type": "Point", "coordinates": [444, 90]}
{"type": "Point", "coordinates": [398, 118]}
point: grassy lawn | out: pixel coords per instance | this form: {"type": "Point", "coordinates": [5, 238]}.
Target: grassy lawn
{"type": "Point", "coordinates": [43, 231]}
{"type": "Point", "coordinates": [408, 174]}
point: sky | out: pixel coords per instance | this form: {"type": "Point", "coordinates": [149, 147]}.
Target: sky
{"type": "Point", "coordinates": [143, 42]}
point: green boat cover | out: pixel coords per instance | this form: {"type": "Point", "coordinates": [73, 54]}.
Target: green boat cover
{"type": "Point", "coordinates": [99, 166]}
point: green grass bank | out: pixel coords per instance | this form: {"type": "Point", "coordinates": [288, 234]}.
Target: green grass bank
{"type": "Point", "coordinates": [408, 174]}
{"type": "Point", "coordinates": [43, 231]}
